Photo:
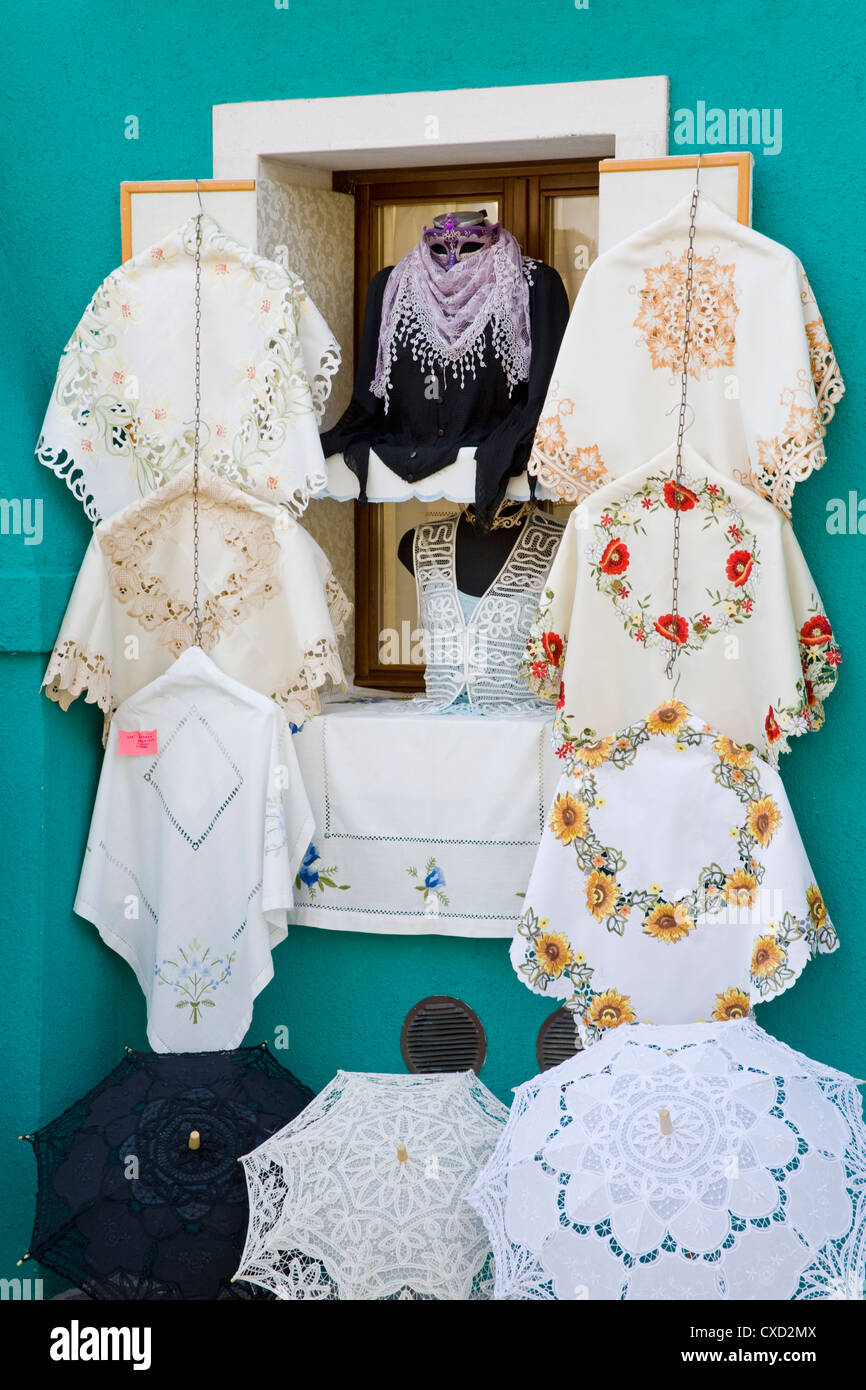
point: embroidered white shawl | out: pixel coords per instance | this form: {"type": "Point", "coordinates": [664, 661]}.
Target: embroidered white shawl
{"type": "Point", "coordinates": [120, 422]}
{"type": "Point", "coordinates": [756, 652]}
{"type": "Point", "coordinates": [193, 850]}
{"type": "Point", "coordinates": [763, 377]}
{"type": "Point", "coordinates": [271, 607]}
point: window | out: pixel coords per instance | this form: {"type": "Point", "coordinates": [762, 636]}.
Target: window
{"type": "Point", "coordinates": [552, 209]}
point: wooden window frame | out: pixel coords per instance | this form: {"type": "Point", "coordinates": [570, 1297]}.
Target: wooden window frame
{"type": "Point", "coordinates": [521, 190]}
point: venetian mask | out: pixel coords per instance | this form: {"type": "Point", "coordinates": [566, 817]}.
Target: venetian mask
{"type": "Point", "coordinates": [456, 236]}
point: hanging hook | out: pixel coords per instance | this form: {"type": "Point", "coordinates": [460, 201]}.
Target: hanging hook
{"type": "Point", "coordinates": [198, 195]}
{"type": "Point", "coordinates": [690, 408]}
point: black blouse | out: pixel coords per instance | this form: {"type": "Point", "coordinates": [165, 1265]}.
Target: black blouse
{"type": "Point", "coordinates": [417, 435]}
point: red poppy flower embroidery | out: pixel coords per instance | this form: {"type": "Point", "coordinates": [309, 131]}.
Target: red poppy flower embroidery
{"type": "Point", "coordinates": [615, 558]}
{"type": "Point", "coordinates": [739, 567]}
{"type": "Point", "coordinates": [552, 644]}
{"type": "Point", "coordinates": [815, 631]}
{"type": "Point", "coordinates": [674, 632]}
{"type": "Point", "coordinates": [773, 732]}
{"type": "Point", "coordinates": [680, 498]}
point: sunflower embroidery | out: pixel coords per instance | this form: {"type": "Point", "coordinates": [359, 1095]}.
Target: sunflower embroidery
{"type": "Point", "coordinates": [568, 819]}
{"type": "Point", "coordinates": [602, 891]}
{"type": "Point", "coordinates": [734, 754]}
{"type": "Point", "coordinates": [817, 906]}
{"type": "Point", "coordinates": [763, 819]}
{"type": "Point", "coordinates": [731, 1004]}
{"type": "Point", "coordinates": [668, 718]}
{"type": "Point", "coordinates": [594, 754]}
{"type": "Point", "coordinates": [554, 953]}
{"type": "Point", "coordinates": [610, 1009]}
{"type": "Point", "coordinates": [741, 889]}
{"type": "Point", "coordinates": [669, 922]}
{"type": "Point", "coordinates": [767, 957]}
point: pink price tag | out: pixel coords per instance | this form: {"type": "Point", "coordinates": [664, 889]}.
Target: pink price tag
{"type": "Point", "coordinates": [136, 743]}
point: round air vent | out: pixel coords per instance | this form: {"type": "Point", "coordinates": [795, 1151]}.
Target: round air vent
{"type": "Point", "coordinates": [557, 1039]}
{"type": "Point", "coordinates": [443, 1034]}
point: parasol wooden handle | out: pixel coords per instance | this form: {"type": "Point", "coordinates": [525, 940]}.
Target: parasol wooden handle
{"type": "Point", "coordinates": [402, 1153]}
{"type": "Point", "coordinates": [665, 1122]}
{"type": "Point", "coordinates": [194, 1139]}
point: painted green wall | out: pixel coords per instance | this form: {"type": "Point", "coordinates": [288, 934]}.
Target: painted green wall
{"type": "Point", "coordinates": [71, 75]}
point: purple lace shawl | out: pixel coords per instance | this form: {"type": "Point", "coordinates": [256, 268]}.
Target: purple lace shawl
{"type": "Point", "coordinates": [442, 314]}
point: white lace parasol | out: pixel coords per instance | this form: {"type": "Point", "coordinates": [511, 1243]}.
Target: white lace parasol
{"type": "Point", "coordinates": [361, 1196]}
{"type": "Point", "coordinates": [703, 1161]}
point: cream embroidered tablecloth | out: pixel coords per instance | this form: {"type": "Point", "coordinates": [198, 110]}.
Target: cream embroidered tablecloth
{"type": "Point", "coordinates": [119, 424]}
{"type": "Point", "coordinates": [425, 823]}
{"type": "Point", "coordinates": [763, 378]}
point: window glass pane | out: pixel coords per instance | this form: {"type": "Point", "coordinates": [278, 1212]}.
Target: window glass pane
{"type": "Point", "coordinates": [571, 237]}
{"type": "Point", "coordinates": [399, 225]}
{"type": "Point", "coordinates": [398, 601]}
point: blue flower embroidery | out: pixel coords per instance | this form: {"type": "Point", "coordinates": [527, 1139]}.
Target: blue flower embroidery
{"type": "Point", "coordinates": [315, 876]}
{"type": "Point", "coordinates": [306, 873]}
{"type": "Point", "coordinates": [432, 886]}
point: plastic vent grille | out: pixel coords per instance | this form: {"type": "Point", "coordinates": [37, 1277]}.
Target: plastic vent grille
{"type": "Point", "coordinates": [443, 1034]}
{"type": "Point", "coordinates": [557, 1039]}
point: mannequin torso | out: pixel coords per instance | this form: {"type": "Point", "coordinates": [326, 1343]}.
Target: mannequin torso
{"type": "Point", "coordinates": [480, 555]}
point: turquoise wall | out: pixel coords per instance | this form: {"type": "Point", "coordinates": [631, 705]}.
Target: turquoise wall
{"type": "Point", "coordinates": [71, 74]}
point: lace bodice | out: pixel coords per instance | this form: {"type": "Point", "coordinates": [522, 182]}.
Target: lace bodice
{"type": "Point", "coordinates": [480, 657]}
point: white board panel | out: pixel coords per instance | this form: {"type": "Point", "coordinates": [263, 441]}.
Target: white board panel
{"type": "Point", "coordinates": [155, 215]}
{"type": "Point", "coordinates": [633, 198]}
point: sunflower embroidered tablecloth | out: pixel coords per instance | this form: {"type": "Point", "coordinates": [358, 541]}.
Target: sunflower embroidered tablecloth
{"type": "Point", "coordinates": [763, 379]}
{"type": "Point", "coordinates": [120, 422]}
{"type": "Point", "coordinates": [271, 607]}
{"type": "Point", "coordinates": [200, 824]}
{"type": "Point", "coordinates": [756, 653]}
{"type": "Point", "coordinates": [671, 884]}
{"type": "Point", "coordinates": [425, 823]}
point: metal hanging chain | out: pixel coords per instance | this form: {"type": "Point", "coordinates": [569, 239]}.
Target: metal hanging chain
{"type": "Point", "coordinates": [196, 614]}
{"type": "Point", "coordinates": [671, 666]}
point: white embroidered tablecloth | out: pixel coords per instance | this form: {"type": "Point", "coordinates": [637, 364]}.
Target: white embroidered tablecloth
{"type": "Point", "coordinates": [425, 823]}
{"type": "Point", "coordinates": [200, 823]}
